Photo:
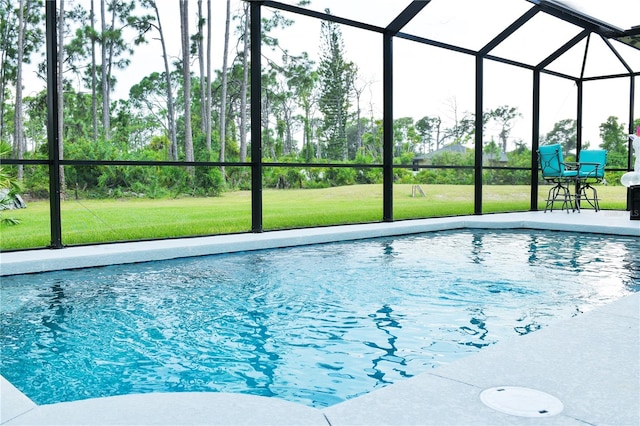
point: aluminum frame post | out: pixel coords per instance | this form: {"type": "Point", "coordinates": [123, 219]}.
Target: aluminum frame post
{"type": "Point", "coordinates": [52, 125]}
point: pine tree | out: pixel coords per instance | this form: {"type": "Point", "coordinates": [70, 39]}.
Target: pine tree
{"type": "Point", "coordinates": [335, 75]}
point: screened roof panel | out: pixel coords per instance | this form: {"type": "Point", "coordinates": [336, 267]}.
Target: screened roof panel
{"type": "Point", "coordinates": [373, 12]}
{"type": "Point", "coordinates": [601, 60]}
{"type": "Point", "coordinates": [536, 40]}
{"type": "Point", "coordinates": [465, 23]}
{"type": "Point", "coordinates": [629, 54]}
{"type": "Point", "coordinates": [570, 63]}
{"type": "Point", "coordinates": [472, 24]}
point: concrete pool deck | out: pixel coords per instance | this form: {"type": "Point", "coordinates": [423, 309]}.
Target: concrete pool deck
{"type": "Point", "coordinates": [590, 362]}
{"type": "Point", "coordinates": [11, 263]}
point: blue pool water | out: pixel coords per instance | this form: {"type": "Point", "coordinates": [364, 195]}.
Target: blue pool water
{"type": "Point", "coordinates": [314, 324]}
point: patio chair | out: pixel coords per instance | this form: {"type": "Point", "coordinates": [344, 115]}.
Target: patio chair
{"type": "Point", "coordinates": [591, 165]}
{"type": "Point", "coordinates": [554, 171]}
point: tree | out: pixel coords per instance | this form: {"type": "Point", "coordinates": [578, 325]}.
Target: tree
{"type": "Point", "coordinates": [76, 52]}
{"type": "Point", "coordinates": [60, 84]}
{"type": "Point", "coordinates": [207, 116]}
{"type": "Point", "coordinates": [199, 40]}
{"type": "Point", "coordinates": [614, 140]}
{"type": "Point", "coordinates": [8, 57]}
{"type": "Point", "coordinates": [286, 102]}
{"type": "Point", "coordinates": [269, 97]}
{"type": "Point", "coordinates": [463, 128]}
{"type": "Point", "coordinates": [565, 133]}
{"type": "Point", "coordinates": [504, 116]}
{"type": "Point", "coordinates": [245, 81]}
{"type": "Point", "coordinates": [335, 74]}
{"type": "Point", "coordinates": [94, 69]}
{"type": "Point", "coordinates": [404, 136]}
{"type": "Point", "coordinates": [357, 88]}
{"type": "Point", "coordinates": [171, 115]}
{"type": "Point", "coordinates": [19, 145]}
{"type": "Point", "coordinates": [426, 127]}
{"type": "Point", "coordinates": [223, 95]}
{"type": "Point", "coordinates": [114, 50]}
{"type": "Point", "coordinates": [103, 70]}
{"type": "Point", "coordinates": [186, 76]}
{"type": "Point", "coordinates": [31, 38]}
{"type": "Point", "coordinates": [149, 97]}
{"type": "Point", "coordinates": [301, 80]}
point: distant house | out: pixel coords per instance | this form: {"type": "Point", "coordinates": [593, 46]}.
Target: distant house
{"type": "Point", "coordinates": [491, 159]}
{"type": "Point", "coordinates": [488, 159]}
{"type": "Point", "coordinates": [426, 159]}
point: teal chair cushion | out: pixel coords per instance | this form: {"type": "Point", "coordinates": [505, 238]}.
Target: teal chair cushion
{"type": "Point", "coordinates": [592, 163]}
{"type": "Point", "coordinates": [552, 163]}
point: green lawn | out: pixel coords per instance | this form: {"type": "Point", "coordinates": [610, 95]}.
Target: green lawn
{"type": "Point", "coordinates": [96, 221]}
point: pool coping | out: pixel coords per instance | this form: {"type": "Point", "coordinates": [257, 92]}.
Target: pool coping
{"type": "Point", "coordinates": [613, 222]}
{"type": "Point", "coordinates": [590, 362]}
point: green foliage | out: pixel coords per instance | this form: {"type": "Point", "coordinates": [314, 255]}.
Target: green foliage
{"type": "Point", "coordinates": [614, 140]}
{"type": "Point", "coordinates": [367, 175]}
{"type": "Point", "coordinates": [448, 175]}
{"type": "Point", "coordinates": [504, 116]}
{"type": "Point", "coordinates": [208, 182]}
{"type": "Point", "coordinates": [564, 132]}
{"type": "Point", "coordinates": [284, 177]}
{"type": "Point", "coordinates": [316, 178]}
{"type": "Point", "coordinates": [335, 76]}
{"type": "Point", "coordinates": [10, 184]}
{"type": "Point", "coordinates": [404, 158]}
{"type": "Point", "coordinates": [36, 181]}
{"type": "Point", "coordinates": [340, 176]}
{"type": "Point", "coordinates": [404, 176]}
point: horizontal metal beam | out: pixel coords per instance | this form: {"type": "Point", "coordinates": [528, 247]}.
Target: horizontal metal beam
{"type": "Point", "coordinates": [322, 15]}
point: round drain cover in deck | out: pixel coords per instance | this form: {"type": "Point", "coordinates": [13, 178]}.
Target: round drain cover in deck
{"type": "Point", "coordinates": [521, 402]}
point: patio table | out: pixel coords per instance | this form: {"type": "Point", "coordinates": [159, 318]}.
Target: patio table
{"type": "Point", "coordinates": [582, 184]}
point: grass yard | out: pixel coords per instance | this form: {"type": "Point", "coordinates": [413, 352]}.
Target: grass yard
{"type": "Point", "coordinates": [99, 221]}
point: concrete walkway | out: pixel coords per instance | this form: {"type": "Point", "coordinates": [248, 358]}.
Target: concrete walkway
{"type": "Point", "coordinates": [590, 363]}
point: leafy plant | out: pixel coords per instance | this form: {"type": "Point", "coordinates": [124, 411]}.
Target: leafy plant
{"type": "Point", "coordinates": [9, 188]}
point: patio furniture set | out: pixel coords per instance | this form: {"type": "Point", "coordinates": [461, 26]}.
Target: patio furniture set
{"type": "Point", "coordinates": [578, 175]}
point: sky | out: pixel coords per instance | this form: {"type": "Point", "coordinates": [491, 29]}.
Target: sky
{"type": "Point", "coordinates": [429, 81]}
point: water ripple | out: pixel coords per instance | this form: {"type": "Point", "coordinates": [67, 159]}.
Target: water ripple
{"type": "Point", "coordinates": [314, 324]}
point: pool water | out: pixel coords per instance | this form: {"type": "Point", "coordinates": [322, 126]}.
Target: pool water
{"type": "Point", "coordinates": [314, 324]}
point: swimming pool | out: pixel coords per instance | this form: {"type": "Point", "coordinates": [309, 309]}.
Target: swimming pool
{"type": "Point", "coordinates": [313, 324]}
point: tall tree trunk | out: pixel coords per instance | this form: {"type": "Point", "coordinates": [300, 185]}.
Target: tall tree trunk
{"type": "Point", "coordinates": [184, 32]}
{"type": "Point", "coordinates": [245, 84]}
{"type": "Point", "coordinates": [94, 102]}
{"type": "Point", "coordinates": [171, 111]}
{"type": "Point", "coordinates": [208, 94]}
{"type": "Point", "coordinates": [60, 84]}
{"type": "Point", "coordinates": [223, 97]}
{"type": "Point", "coordinates": [105, 83]}
{"type": "Point", "coordinates": [18, 136]}
{"type": "Point", "coordinates": [203, 116]}
{"type": "Point", "coordinates": [306, 134]}
{"type": "Point", "coordinates": [3, 57]}
{"type": "Point", "coordinates": [109, 64]}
